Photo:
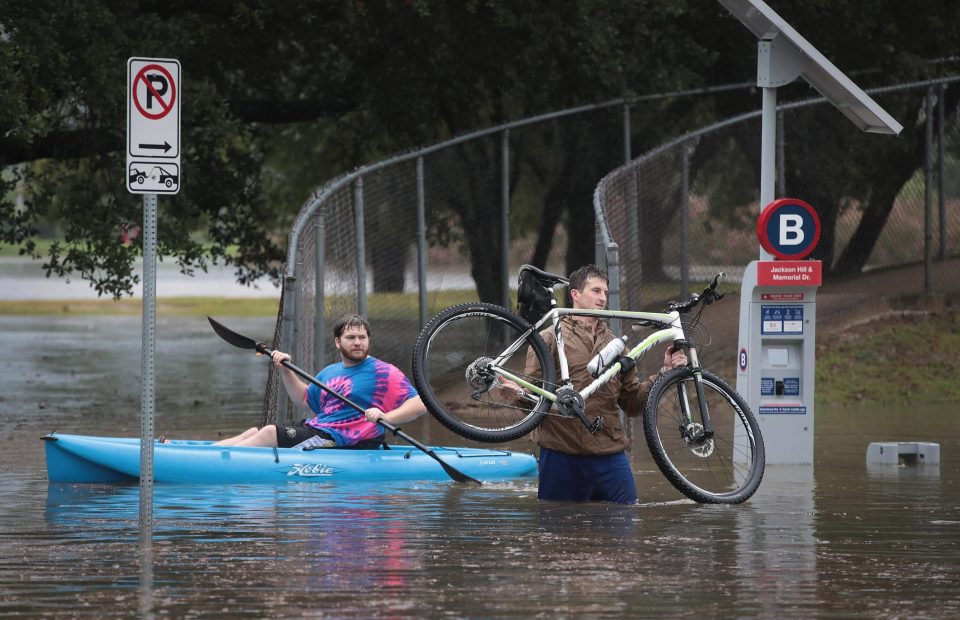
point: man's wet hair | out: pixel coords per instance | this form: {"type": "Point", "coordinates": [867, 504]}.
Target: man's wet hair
{"type": "Point", "coordinates": [578, 279]}
{"type": "Point", "coordinates": [350, 320]}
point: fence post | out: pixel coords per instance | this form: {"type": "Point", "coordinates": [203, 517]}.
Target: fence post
{"type": "Point", "coordinates": [287, 336]}
{"type": "Point", "coordinates": [627, 147]}
{"type": "Point", "coordinates": [613, 275]}
{"type": "Point", "coordinates": [319, 294]}
{"type": "Point", "coordinates": [631, 215]}
{"type": "Point", "coordinates": [421, 244]}
{"type": "Point", "coordinates": [684, 221]}
{"type": "Point", "coordinates": [361, 247]}
{"type": "Point", "coordinates": [941, 103]}
{"type": "Point", "coordinates": [631, 236]}
{"type": "Point", "coordinates": [505, 218]}
{"type": "Point", "coordinates": [927, 194]}
{"type": "Point", "coordinates": [599, 253]}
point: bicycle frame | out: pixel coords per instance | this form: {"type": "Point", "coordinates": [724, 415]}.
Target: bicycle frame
{"type": "Point", "coordinates": [672, 333]}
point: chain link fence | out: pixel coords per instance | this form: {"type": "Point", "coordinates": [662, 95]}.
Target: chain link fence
{"type": "Point", "coordinates": [401, 239]}
{"type": "Point", "coordinates": [687, 209]}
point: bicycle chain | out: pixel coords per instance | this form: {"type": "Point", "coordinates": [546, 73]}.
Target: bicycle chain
{"type": "Point", "coordinates": [552, 387]}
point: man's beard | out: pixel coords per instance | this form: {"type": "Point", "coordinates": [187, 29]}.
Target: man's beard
{"type": "Point", "coordinates": [354, 356]}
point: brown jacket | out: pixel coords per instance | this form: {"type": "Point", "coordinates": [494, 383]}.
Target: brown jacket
{"type": "Point", "coordinates": [569, 435]}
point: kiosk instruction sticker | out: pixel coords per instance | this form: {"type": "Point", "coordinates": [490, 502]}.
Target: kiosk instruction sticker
{"type": "Point", "coordinates": [783, 410]}
{"type": "Point", "coordinates": [781, 320]}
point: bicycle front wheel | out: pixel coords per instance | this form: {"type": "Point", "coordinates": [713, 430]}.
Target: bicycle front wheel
{"type": "Point", "coordinates": [725, 468]}
{"type": "Point", "coordinates": [454, 371]}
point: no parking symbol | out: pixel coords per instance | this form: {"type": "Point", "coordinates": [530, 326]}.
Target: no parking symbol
{"type": "Point", "coordinates": [154, 91]}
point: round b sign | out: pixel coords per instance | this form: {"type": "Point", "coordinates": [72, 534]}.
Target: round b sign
{"type": "Point", "coordinates": [788, 228]}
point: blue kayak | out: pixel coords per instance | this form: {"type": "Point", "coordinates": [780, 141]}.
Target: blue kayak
{"type": "Point", "coordinates": [80, 458]}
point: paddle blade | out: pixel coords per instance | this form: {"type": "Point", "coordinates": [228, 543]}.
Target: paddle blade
{"type": "Point", "coordinates": [233, 337]}
{"type": "Point", "coordinates": [453, 472]}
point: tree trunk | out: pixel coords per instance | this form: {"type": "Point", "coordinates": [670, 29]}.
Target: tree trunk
{"type": "Point", "coordinates": [389, 268]}
{"type": "Point", "coordinates": [874, 219]}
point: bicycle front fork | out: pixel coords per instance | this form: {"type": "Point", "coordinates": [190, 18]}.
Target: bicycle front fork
{"type": "Point", "coordinates": [693, 432]}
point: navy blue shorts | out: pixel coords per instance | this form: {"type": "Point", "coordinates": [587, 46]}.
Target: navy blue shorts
{"type": "Point", "coordinates": [575, 478]}
{"type": "Point", "coordinates": [299, 432]}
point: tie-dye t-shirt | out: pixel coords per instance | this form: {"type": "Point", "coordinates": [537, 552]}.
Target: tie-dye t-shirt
{"type": "Point", "coordinates": [371, 383]}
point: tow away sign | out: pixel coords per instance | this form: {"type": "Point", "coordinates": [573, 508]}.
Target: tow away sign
{"type": "Point", "coordinates": [153, 126]}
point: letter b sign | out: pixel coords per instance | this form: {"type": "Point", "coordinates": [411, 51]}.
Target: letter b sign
{"type": "Point", "coordinates": [788, 228]}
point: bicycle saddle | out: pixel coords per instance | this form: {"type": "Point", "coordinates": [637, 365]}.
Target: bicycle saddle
{"type": "Point", "coordinates": [543, 277]}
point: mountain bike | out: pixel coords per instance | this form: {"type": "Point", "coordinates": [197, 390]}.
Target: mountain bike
{"type": "Point", "coordinates": [701, 433]}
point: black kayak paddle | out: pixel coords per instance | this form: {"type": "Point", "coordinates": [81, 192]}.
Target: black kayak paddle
{"type": "Point", "coordinates": [243, 342]}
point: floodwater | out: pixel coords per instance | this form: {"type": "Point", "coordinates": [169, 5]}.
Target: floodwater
{"type": "Point", "coordinates": [836, 540]}
{"type": "Point", "coordinates": [24, 279]}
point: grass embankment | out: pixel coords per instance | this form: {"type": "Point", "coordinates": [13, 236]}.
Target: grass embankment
{"type": "Point", "coordinates": [42, 246]}
{"type": "Point", "coordinates": [898, 358]}
{"type": "Point", "coordinates": [173, 306]}
{"type": "Point", "coordinates": [379, 305]}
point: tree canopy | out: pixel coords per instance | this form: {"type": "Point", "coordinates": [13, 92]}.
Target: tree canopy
{"type": "Point", "coordinates": [279, 96]}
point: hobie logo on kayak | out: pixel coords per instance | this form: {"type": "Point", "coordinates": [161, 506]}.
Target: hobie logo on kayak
{"type": "Point", "coordinates": [310, 470]}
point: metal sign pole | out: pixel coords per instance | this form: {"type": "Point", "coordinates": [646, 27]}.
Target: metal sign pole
{"type": "Point", "coordinates": [153, 166]}
{"type": "Point", "coordinates": [147, 383]}
{"type": "Point", "coordinates": [768, 150]}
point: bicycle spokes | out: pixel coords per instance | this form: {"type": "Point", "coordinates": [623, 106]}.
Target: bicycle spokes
{"type": "Point", "coordinates": [460, 361]}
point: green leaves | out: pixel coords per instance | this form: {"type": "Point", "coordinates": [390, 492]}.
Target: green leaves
{"type": "Point", "coordinates": [280, 96]}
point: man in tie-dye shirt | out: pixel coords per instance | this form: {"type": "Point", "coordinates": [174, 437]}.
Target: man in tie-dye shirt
{"type": "Point", "coordinates": [380, 388]}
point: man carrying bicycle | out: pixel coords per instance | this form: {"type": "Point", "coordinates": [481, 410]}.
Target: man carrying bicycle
{"type": "Point", "coordinates": [575, 463]}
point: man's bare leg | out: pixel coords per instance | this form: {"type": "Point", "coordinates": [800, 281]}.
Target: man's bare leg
{"type": "Point", "coordinates": [248, 435]}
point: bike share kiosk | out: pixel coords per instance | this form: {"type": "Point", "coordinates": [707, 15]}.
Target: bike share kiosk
{"type": "Point", "coordinates": [776, 353]}
{"type": "Point", "coordinates": [775, 368]}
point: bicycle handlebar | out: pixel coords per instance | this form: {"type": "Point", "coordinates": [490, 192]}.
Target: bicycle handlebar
{"type": "Point", "coordinates": [707, 297]}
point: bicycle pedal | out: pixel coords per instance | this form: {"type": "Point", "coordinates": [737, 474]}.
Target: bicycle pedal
{"type": "Point", "coordinates": [597, 425]}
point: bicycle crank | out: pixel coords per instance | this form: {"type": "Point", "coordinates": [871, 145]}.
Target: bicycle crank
{"type": "Point", "coordinates": [570, 403]}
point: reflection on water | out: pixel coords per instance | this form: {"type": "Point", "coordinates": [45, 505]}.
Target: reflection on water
{"type": "Point", "coordinates": [835, 540]}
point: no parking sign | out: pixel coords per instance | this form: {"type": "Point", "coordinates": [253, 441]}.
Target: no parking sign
{"type": "Point", "coordinates": [153, 126]}
{"type": "Point", "coordinates": [788, 228]}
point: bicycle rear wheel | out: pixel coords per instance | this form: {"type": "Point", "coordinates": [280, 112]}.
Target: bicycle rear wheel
{"type": "Point", "coordinates": [723, 469]}
{"type": "Point", "coordinates": [451, 369]}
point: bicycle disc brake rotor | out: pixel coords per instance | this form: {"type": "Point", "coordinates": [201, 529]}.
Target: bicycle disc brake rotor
{"type": "Point", "coordinates": [478, 375]}
{"type": "Point", "coordinates": [693, 436]}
